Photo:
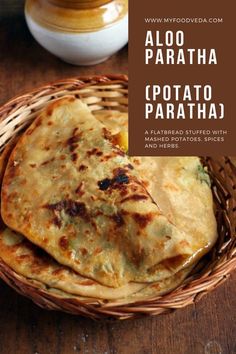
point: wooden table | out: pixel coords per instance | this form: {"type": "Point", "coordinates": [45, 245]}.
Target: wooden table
{"type": "Point", "coordinates": [208, 327]}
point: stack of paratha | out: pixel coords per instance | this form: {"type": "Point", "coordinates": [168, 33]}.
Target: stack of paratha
{"type": "Point", "coordinates": [82, 218]}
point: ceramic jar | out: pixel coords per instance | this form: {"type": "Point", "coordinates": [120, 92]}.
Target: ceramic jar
{"type": "Point", "coordinates": [80, 32]}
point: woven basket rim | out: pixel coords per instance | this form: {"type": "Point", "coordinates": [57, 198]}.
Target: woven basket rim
{"type": "Point", "coordinates": [84, 79]}
{"type": "Point", "coordinates": [222, 259]}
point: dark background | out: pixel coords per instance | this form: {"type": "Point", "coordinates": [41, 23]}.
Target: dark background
{"type": "Point", "coordinates": [10, 7]}
{"type": "Point", "coordinates": [208, 327]}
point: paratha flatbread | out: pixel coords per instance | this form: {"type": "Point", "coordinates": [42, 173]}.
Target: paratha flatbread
{"type": "Point", "coordinates": [34, 264]}
{"type": "Point", "coordinates": [74, 193]}
{"type": "Point", "coordinates": [30, 261]}
{"type": "Point", "coordinates": [182, 187]}
{"type": "Point", "coordinates": [179, 184]}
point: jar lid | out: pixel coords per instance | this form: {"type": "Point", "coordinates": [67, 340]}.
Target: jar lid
{"type": "Point", "coordinates": [76, 16]}
{"type": "Point", "coordinates": [79, 4]}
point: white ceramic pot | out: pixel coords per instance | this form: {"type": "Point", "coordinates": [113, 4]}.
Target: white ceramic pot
{"type": "Point", "coordinates": [78, 44]}
{"type": "Point", "coordinates": [87, 48]}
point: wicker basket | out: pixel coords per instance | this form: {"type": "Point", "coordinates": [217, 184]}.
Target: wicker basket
{"type": "Point", "coordinates": [111, 92]}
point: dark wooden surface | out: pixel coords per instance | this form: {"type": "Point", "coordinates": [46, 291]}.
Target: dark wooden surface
{"type": "Point", "coordinates": [10, 7]}
{"type": "Point", "coordinates": [209, 327]}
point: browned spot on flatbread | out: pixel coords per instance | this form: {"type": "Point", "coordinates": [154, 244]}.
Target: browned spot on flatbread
{"type": "Point", "coordinates": [12, 169]}
{"type": "Point", "coordinates": [104, 184]}
{"type": "Point", "coordinates": [47, 161]}
{"type": "Point", "coordinates": [106, 134]}
{"type": "Point", "coordinates": [82, 168]}
{"type": "Point", "coordinates": [146, 184]}
{"type": "Point", "coordinates": [87, 282]}
{"type": "Point", "coordinates": [142, 219]}
{"type": "Point", "coordinates": [80, 189]}
{"type": "Point", "coordinates": [137, 162]}
{"type": "Point", "coordinates": [114, 183]}
{"type": "Point", "coordinates": [12, 196]}
{"type": "Point", "coordinates": [75, 130]}
{"type": "Point", "coordinates": [95, 152]}
{"type": "Point", "coordinates": [56, 206]}
{"type": "Point", "coordinates": [70, 207]}
{"type": "Point", "coordinates": [63, 243]}
{"type": "Point", "coordinates": [138, 256]}
{"type": "Point", "coordinates": [184, 243]}
{"type": "Point", "coordinates": [23, 257]}
{"type": "Point", "coordinates": [74, 147]}
{"type": "Point", "coordinates": [174, 262]}
{"type": "Point", "coordinates": [118, 219]}
{"type": "Point", "coordinates": [97, 251]}
{"type": "Point", "coordinates": [29, 131]}
{"type": "Point", "coordinates": [118, 150]}
{"type": "Point", "coordinates": [36, 124]}
{"type": "Point", "coordinates": [124, 191]}
{"type": "Point", "coordinates": [156, 286]}
{"type": "Point", "coordinates": [115, 139]}
{"type": "Point", "coordinates": [77, 209]}
{"type": "Point", "coordinates": [74, 157]}
{"type": "Point", "coordinates": [119, 171]}
{"type": "Point", "coordinates": [72, 141]}
{"type": "Point", "coordinates": [131, 167]}
{"type": "Point", "coordinates": [58, 271]}
{"type": "Point", "coordinates": [57, 221]}
{"type": "Point", "coordinates": [83, 251]}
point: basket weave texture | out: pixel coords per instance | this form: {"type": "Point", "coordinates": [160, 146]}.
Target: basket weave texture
{"type": "Point", "coordinates": [111, 93]}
